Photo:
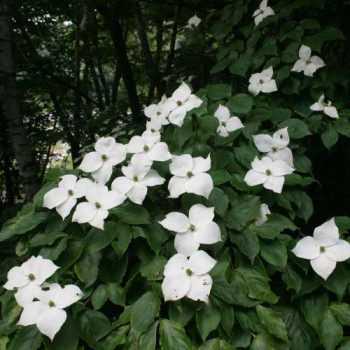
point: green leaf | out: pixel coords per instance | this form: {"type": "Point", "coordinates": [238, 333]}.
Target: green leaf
{"type": "Point", "coordinates": [240, 66]}
{"type": "Point", "coordinates": [341, 312]}
{"type": "Point", "coordinates": [245, 209]}
{"type": "Point", "coordinates": [99, 296]}
{"type": "Point", "coordinates": [274, 252]}
{"type": "Point", "coordinates": [220, 176]}
{"type": "Point", "coordinates": [219, 201]}
{"type": "Point", "coordinates": [274, 225]}
{"type": "Point", "coordinates": [173, 336]}
{"type": "Point", "coordinates": [331, 34]}
{"type": "Point", "coordinates": [267, 342]}
{"type": "Point", "coordinates": [297, 129]}
{"type": "Point", "coordinates": [218, 91]}
{"type": "Point", "coordinates": [273, 322]}
{"type": "Point", "coordinates": [87, 267]}
{"type": "Point", "coordinates": [41, 239]}
{"type": "Point", "coordinates": [98, 239]}
{"type": "Point", "coordinates": [221, 65]}
{"type": "Point", "coordinates": [131, 213]}
{"type": "Point", "coordinates": [330, 136]}
{"type": "Point", "coordinates": [115, 338]}
{"type": "Point", "coordinates": [72, 253]}
{"type": "Point", "coordinates": [216, 344]}
{"type": "Point", "coordinates": [26, 338]}
{"type": "Point", "coordinates": [54, 252]}
{"type": "Point", "coordinates": [240, 103]}
{"type": "Point", "coordinates": [123, 238]}
{"type": "Point", "coordinates": [116, 294]}
{"type": "Point", "coordinates": [314, 307]}
{"type": "Point", "coordinates": [153, 270]}
{"type": "Point", "coordinates": [245, 155]}
{"type": "Point", "coordinates": [292, 278]}
{"type": "Point", "coordinates": [247, 242]}
{"type": "Point", "coordinates": [148, 340]}
{"type": "Point", "coordinates": [144, 311]}
{"type": "Point", "coordinates": [208, 319]}
{"type": "Point", "coordinates": [330, 331]}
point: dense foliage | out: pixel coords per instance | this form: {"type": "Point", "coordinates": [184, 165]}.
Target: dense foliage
{"type": "Point", "coordinates": [262, 296]}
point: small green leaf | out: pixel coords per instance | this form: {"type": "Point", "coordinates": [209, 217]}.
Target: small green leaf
{"type": "Point", "coordinates": [330, 331]}
{"type": "Point", "coordinates": [341, 312]}
{"type": "Point", "coordinates": [240, 103]}
{"type": "Point", "coordinates": [274, 225]}
{"type": "Point", "coordinates": [218, 91]}
{"type": "Point", "coordinates": [173, 336]}
{"type": "Point", "coordinates": [208, 319]}
{"type": "Point", "coordinates": [87, 268]}
{"type": "Point", "coordinates": [314, 307]}
{"type": "Point", "coordinates": [26, 338]}
{"type": "Point", "coordinates": [99, 296]}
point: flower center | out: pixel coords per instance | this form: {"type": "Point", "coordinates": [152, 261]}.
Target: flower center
{"type": "Point", "coordinates": [135, 178]}
{"type": "Point", "coordinates": [153, 130]}
{"type": "Point", "coordinates": [261, 81]}
{"type": "Point", "coordinates": [179, 103]}
{"type": "Point", "coordinates": [274, 149]}
{"type": "Point", "coordinates": [189, 174]}
{"type": "Point", "coordinates": [322, 249]}
{"type": "Point", "coordinates": [223, 124]}
{"type": "Point", "coordinates": [104, 157]}
{"type": "Point", "coordinates": [189, 272]}
{"type": "Point", "coordinates": [70, 193]}
{"type": "Point", "coordinates": [268, 172]}
{"type": "Point", "coordinates": [97, 205]}
{"type": "Point", "coordinates": [192, 227]}
{"type": "Point", "coordinates": [51, 303]}
{"type": "Point", "coordinates": [31, 277]}
{"type": "Point", "coordinates": [308, 62]}
{"type": "Point", "coordinates": [158, 113]}
{"type": "Point", "coordinates": [145, 148]}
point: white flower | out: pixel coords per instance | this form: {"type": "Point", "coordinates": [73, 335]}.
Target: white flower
{"type": "Point", "coordinates": [198, 228]}
{"type": "Point", "coordinates": [190, 176]}
{"type": "Point", "coordinates": [264, 211]}
{"type": "Point", "coordinates": [149, 144]}
{"type": "Point", "coordinates": [154, 125]}
{"type": "Point", "coordinates": [181, 102]}
{"type": "Point", "coordinates": [188, 277]}
{"type": "Point", "coordinates": [227, 123]}
{"type": "Point", "coordinates": [47, 313]}
{"type": "Point", "coordinates": [194, 21]}
{"type": "Point", "coordinates": [270, 173]}
{"type": "Point", "coordinates": [138, 176]}
{"type": "Point", "coordinates": [263, 12]}
{"type": "Point", "coordinates": [307, 63]}
{"type": "Point", "coordinates": [99, 201]}
{"type": "Point", "coordinates": [262, 82]}
{"type": "Point", "coordinates": [156, 112]}
{"type": "Point", "coordinates": [324, 249]}
{"type": "Point", "coordinates": [65, 196]}
{"type": "Point", "coordinates": [28, 278]}
{"type": "Point", "coordinates": [100, 163]}
{"type": "Point", "coordinates": [326, 108]}
{"type": "Point", "coordinates": [275, 146]}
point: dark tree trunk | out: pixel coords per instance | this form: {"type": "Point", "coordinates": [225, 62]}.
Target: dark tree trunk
{"type": "Point", "coordinates": [10, 105]}
{"type": "Point", "coordinates": [116, 82]}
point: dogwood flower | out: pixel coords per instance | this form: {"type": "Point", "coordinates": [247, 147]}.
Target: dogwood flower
{"type": "Point", "coordinates": [154, 125]}
{"type": "Point", "coordinates": [28, 278]}
{"type": "Point", "coordinates": [270, 173]}
{"type": "Point", "coordinates": [190, 176]}
{"type": "Point", "coordinates": [138, 177]}
{"type": "Point", "coordinates": [181, 102]}
{"type": "Point", "coordinates": [47, 313]}
{"type": "Point", "coordinates": [324, 249]}
{"type": "Point", "coordinates": [149, 144]}
{"type": "Point", "coordinates": [99, 201]}
{"type": "Point", "coordinates": [65, 196]}
{"type": "Point", "coordinates": [325, 107]}
{"type": "Point", "coordinates": [198, 228]}
{"type": "Point", "coordinates": [188, 277]}
{"type": "Point", "coordinates": [275, 146]}
{"type": "Point", "coordinates": [307, 63]}
{"type": "Point", "coordinates": [100, 163]}
{"type": "Point", "coordinates": [227, 123]}
{"type": "Point", "coordinates": [262, 82]}
{"type": "Point", "coordinates": [157, 112]}
{"type": "Point", "coordinates": [263, 12]}
{"type": "Point", "coordinates": [264, 211]}
{"type": "Point", "coordinates": [194, 21]}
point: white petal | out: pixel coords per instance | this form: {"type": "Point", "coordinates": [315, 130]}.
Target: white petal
{"type": "Point", "coordinates": [222, 131]}
{"type": "Point", "coordinates": [152, 178]}
{"type": "Point", "coordinates": [263, 142]}
{"type": "Point", "coordinates": [200, 262]}
{"type": "Point", "coordinates": [82, 187]}
{"type": "Point", "coordinates": [201, 184]}
{"type": "Point", "coordinates": [200, 214]}
{"type": "Point", "coordinates": [310, 69]}
{"type": "Point", "coordinates": [307, 248]}
{"type": "Point", "coordinates": [185, 243]}
{"type": "Point", "coordinates": [84, 212]}
{"type": "Point", "coordinates": [317, 107]}
{"type": "Point", "coordinates": [200, 288]}
{"type": "Point", "coordinates": [299, 66]}
{"type": "Point", "coordinates": [176, 222]}
{"type": "Point", "coordinates": [176, 265]}
{"type": "Point", "coordinates": [331, 112]}
{"type": "Point", "coordinates": [104, 173]}
{"type": "Point", "coordinates": [274, 183]}
{"type": "Point", "coordinates": [159, 152]}
{"type": "Point", "coordinates": [267, 74]}
{"type": "Point", "coordinates": [201, 165]}
{"type": "Point", "coordinates": [177, 186]}
{"type": "Point", "coordinates": [258, 18]}
{"type": "Point", "coordinates": [151, 110]}
{"type": "Point", "coordinates": [281, 138]}
{"type": "Point", "coordinates": [181, 165]}
{"type": "Point", "coordinates": [192, 102]}
{"type": "Point", "coordinates": [263, 5]}
{"type": "Point", "coordinates": [175, 287]}
{"type": "Point", "coordinates": [55, 197]}
{"type": "Point", "coordinates": [178, 115]}
{"type": "Point", "coordinates": [208, 233]}
{"type": "Point", "coordinates": [254, 88]}
{"type": "Point", "coordinates": [25, 296]}
{"type": "Point", "coordinates": [140, 165]}
{"type": "Point", "coordinates": [233, 124]}
{"type": "Point", "coordinates": [67, 182]}
{"type": "Point", "coordinates": [31, 313]}
{"type": "Point", "coordinates": [112, 199]}
{"type": "Point", "coordinates": [269, 87]}
{"type": "Point", "coordinates": [96, 193]}
{"type": "Point", "coordinates": [264, 211]}
{"type": "Point", "coordinates": [222, 113]}
{"type": "Point", "coordinates": [65, 208]}
{"type": "Point", "coordinates": [136, 144]}
{"type": "Point", "coordinates": [98, 220]}
{"type": "Point", "coordinates": [284, 154]}
{"type": "Point", "coordinates": [317, 62]}
{"type": "Point", "coordinates": [91, 162]}
{"type": "Point", "coordinates": [122, 184]}
{"type": "Point", "coordinates": [182, 93]}
{"type": "Point", "coordinates": [138, 193]}
{"type": "Point", "coordinates": [327, 234]}
{"type": "Point", "coordinates": [67, 296]}
{"type": "Point", "coordinates": [338, 252]}
{"type": "Point", "coordinates": [253, 178]}
{"type": "Point", "coordinates": [151, 138]}
{"type": "Point", "coordinates": [268, 12]}
{"type": "Point", "coordinates": [305, 52]}
{"type": "Point", "coordinates": [280, 168]}
{"type": "Point", "coordinates": [44, 269]}
{"type": "Point", "coordinates": [51, 321]}
{"type": "Point", "coordinates": [323, 266]}
{"type": "Point", "coordinates": [16, 278]}
{"type": "Point", "coordinates": [117, 154]}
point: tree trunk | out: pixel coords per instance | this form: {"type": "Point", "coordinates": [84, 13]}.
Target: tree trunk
{"type": "Point", "coordinates": [10, 105]}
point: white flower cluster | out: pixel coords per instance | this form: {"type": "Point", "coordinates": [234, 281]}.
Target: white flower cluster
{"type": "Point", "coordinates": [43, 303]}
{"type": "Point", "coordinates": [277, 162]}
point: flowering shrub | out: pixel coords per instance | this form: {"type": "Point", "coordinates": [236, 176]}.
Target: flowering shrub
{"type": "Point", "coordinates": [190, 233]}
